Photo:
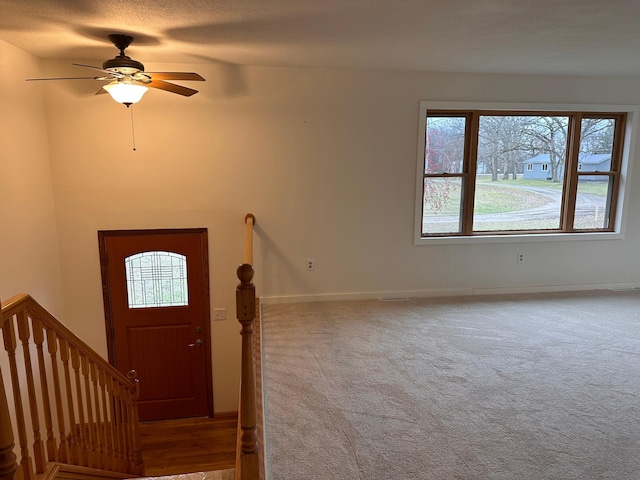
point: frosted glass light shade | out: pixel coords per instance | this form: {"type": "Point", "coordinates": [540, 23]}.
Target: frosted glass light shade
{"type": "Point", "coordinates": [125, 92]}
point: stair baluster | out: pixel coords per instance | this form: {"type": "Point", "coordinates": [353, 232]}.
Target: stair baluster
{"type": "Point", "coordinates": [62, 451]}
{"type": "Point", "coordinates": [38, 338]}
{"type": "Point", "coordinates": [8, 464]}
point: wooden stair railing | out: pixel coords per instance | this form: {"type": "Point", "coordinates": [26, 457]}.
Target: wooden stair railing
{"type": "Point", "coordinates": [69, 405]}
{"type": "Point", "coordinates": [250, 453]}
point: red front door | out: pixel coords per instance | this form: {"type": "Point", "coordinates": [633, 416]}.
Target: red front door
{"type": "Point", "coordinates": [156, 294]}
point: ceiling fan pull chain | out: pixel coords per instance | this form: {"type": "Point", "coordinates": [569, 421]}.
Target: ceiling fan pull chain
{"type": "Point", "coordinates": [133, 131]}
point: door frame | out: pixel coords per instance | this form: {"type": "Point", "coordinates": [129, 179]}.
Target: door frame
{"type": "Point", "coordinates": [106, 293]}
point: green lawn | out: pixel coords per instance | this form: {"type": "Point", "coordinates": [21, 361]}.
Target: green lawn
{"type": "Point", "coordinates": [492, 197]}
{"type": "Point", "coordinates": [597, 188]}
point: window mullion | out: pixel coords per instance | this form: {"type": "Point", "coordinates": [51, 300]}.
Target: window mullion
{"type": "Point", "coordinates": [571, 173]}
{"type": "Point", "coordinates": [470, 166]}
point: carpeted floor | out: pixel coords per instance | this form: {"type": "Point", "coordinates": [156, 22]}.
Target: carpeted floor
{"type": "Point", "coordinates": [526, 387]}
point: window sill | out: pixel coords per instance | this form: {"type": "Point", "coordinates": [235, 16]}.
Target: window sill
{"type": "Point", "coordinates": [528, 238]}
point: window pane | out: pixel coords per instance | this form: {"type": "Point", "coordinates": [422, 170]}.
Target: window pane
{"type": "Point", "coordinates": [519, 172]}
{"type": "Point", "coordinates": [592, 202]}
{"type": "Point", "coordinates": [527, 145]}
{"type": "Point", "coordinates": [514, 205]}
{"type": "Point", "coordinates": [156, 279]}
{"type": "Point", "coordinates": [442, 205]}
{"type": "Point", "coordinates": [444, 145]}
{"type": "Point", "coordinates": [594, 191]}
{"type": "Point", "coordinates": [596, 144]}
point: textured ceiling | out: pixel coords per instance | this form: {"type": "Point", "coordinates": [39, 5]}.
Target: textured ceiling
{"type": "Point", "coordinates": [581, 37]}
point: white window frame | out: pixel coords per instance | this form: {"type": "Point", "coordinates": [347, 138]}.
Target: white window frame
{"type": "Point", "coordinates": [628, 155]}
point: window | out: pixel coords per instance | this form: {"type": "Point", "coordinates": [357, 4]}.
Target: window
{"type": "Point", "coordinates": [505, 172]}
{"type": "Point", "coordinates": [156, 279]}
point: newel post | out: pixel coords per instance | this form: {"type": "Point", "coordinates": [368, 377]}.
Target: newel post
{"type": "Point", "coordinates": [8, 464]}
{"type": "Point", "coordinates": [246, 312]}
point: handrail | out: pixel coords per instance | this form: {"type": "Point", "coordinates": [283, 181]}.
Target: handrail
{"type": "Point", "coordinates": [249, 464]}
{"type": "Point", "coordinates": [249, 221]}
{"type": "Point", "coordinates": [87, 409]}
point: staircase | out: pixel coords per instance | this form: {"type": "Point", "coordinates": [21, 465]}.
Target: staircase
{"type": "Point", "coordinates": [64, 411]}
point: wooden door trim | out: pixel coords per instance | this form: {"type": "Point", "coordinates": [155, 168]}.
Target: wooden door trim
{"type": "Point", "coordinates": [106, 293]}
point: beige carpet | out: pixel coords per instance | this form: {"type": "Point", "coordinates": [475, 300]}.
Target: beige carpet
{"type": "Point", "coordinates": [526, 387]}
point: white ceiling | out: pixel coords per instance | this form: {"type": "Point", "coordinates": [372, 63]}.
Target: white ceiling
{"type": "Point", "coordinates": [581, 37]}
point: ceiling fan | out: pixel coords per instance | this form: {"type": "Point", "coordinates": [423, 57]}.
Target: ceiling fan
{"type": "Point", "coordinates": [128, 80]}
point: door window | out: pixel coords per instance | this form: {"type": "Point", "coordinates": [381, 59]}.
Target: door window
{"type": "Point", "coordinates": [156, 279]}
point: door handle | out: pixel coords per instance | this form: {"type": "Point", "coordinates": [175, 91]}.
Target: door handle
{"type": "Point", "coordinates": [198, 343]}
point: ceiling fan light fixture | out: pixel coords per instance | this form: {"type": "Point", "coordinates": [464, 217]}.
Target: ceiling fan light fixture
{"type": "Point", "coordinates": [125, 92]}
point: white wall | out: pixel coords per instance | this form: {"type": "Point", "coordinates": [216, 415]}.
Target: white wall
{"type": "Point", "coordinates": [29, 255]}
{"type": "Point", "coordinates": [325, 159]}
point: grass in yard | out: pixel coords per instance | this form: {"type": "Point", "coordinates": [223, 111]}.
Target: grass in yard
{"type": "Point", "coordinates": [489, 199]}
{"type": "Point", "coordinates": [493, 197]}
{"type": "Point", "coordinates": [596, 188]}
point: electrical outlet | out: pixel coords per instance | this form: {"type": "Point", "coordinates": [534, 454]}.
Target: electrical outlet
{"type": "Point", "coordinates": [521, 258]}
{"type": "Point", "coordinates": [219, 313]}
{"type": "Point", "coordinates": [311, 264]}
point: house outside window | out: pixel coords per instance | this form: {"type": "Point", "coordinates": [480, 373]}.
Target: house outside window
{"type": "Point", "coordinates": [477, 171]}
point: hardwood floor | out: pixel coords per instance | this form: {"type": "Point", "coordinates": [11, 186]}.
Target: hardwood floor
{"type": "Point", "coordinates": [171, 447]}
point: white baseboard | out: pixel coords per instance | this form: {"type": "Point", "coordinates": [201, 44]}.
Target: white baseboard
{"type": "Point", "coordinates": [399, 295]}
{"type": "Point", "coordinates": [556, 288]}
{"type": "Point", "coordinates": [328, 297]}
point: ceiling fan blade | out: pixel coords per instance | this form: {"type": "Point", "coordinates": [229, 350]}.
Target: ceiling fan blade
{"type": "Point", "coordinates": [170, 87]}
{"type": "Point", "coordinates": [175, 76]}
{"type": "Point", "coordinates": [100, 92]}
{"type": "Point", "coordinates": [67, 78]}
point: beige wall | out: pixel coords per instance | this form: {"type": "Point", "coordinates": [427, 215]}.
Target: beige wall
{"type": "Point", "coordinates": [29, 254]}
{"type": "Point", "coordinates": [325, 159]}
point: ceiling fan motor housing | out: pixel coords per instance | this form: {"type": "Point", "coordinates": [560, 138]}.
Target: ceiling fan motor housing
{"type": "Point", "coordinates": [122, 63]}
